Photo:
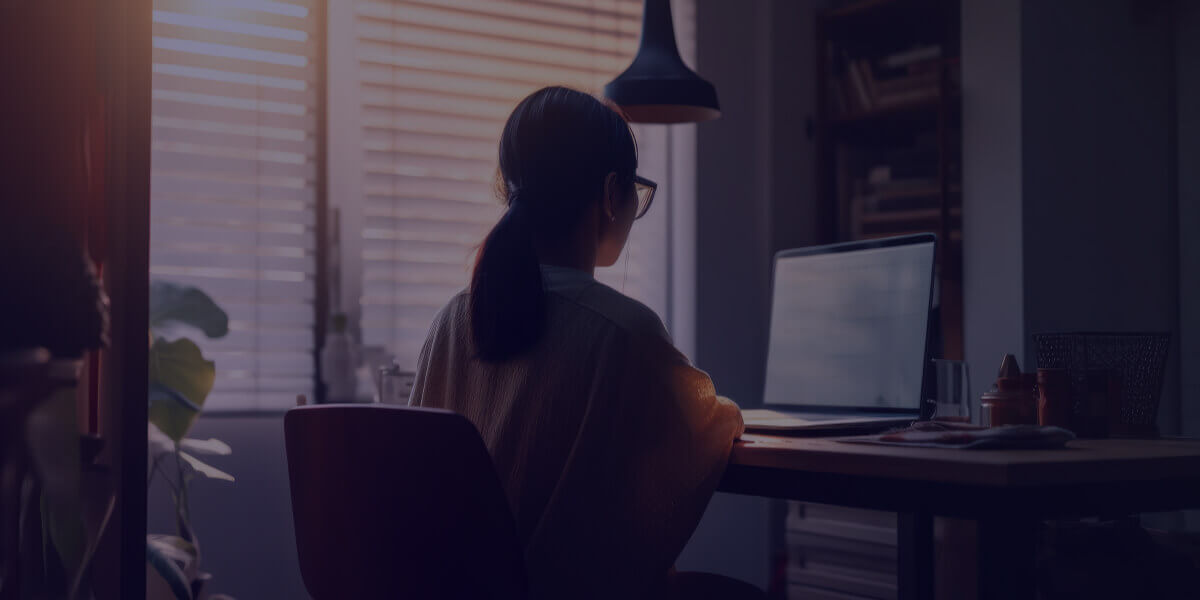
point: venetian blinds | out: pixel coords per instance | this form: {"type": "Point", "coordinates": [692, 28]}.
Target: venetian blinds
{"type": "Point", "coordinates": [233, 184]}
{"type": "Point", "coordinates": [435, 81]}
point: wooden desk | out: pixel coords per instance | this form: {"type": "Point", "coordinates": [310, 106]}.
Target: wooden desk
{"type": "Point", "coordinates": [1006, 491]}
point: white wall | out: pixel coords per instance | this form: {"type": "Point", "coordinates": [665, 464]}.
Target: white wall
{"type": "Point", "coordinates": [993, 287]}
{"type": "Point", "coordinates": [1069, 187]}
{"type": "Point", "coordinates": [732, 252]}
{"type": "Point", "coordinates": [792, 155]}
{"type": "Point", "coordinates": [1099, 226]}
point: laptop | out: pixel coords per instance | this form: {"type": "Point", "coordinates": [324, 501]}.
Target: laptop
{"type": "Point", "coordinates": [849, 337]}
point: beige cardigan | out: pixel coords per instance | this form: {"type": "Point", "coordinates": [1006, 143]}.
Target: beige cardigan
{"type": "Point", "coordinates": [608, 442]}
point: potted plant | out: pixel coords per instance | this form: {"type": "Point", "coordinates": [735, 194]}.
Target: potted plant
{"type": "Point", "coordinates": [180, 381]}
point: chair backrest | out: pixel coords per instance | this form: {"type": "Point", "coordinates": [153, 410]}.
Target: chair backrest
{"type": "Point", "coordinates": [398, 502]}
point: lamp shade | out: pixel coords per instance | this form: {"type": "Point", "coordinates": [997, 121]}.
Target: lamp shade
{"type": "Point", "coordinates": [658, 87]}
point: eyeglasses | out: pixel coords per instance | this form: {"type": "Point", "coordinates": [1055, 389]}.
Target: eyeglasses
{"type": "Point", "coordinates": [645, 194]}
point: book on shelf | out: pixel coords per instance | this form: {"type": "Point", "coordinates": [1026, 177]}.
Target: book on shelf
{"type": "Point", "coordinates": [909, 186]}
{"type": "Point", "coordinates": [886, 90]}
{"type": "Point", "coordinates": [879, 174]}
{"type": "Point", "coordinates": [927, 68]}
{"type": "Point", "coordinates": [858, 85]}
{"type": "Point", "coordinates": [903, 172]}
{"type": "Point", "coordinates": [912, 193]}
{"type": "Point", "coordinates": [905, 98]}
{"type": "Point", "coordinates": [870, 88]}
{"type": "Point", "coordinates": [927, 80]}
{"type": "Point", "coordinates": [873, 215]}
{"type": "Point", "coordinates": [915, 55]}
{"type": "Point", "coordinates": [902, 195]}
{"type": "Point", "coordinates": [918, 159]}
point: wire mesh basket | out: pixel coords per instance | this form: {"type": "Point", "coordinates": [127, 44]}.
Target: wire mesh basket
{"type": "Point", "coordinates": [1137, 360]}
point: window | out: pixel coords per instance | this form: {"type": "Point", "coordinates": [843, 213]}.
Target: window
{"type": "Point", "coordinates": [424, 87]}
{"type": "Point", "coordinates": [233, 184]}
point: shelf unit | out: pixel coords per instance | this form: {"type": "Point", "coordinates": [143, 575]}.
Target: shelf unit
{"type": "Point", "coordinates": [888, 134]}
{"type": "Point", "coordinates": [888, 162]}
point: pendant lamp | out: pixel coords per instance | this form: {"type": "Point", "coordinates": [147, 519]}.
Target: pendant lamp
{"type": "Point", "coordinates": [658, 87]}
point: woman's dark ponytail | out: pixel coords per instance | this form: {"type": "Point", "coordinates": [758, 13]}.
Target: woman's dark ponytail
{"type": "Point", "coordinates": [557, 147]}
{"type": "Point", "coordinates": [508, 304]}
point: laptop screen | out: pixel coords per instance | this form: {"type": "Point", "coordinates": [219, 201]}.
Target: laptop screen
{"type": "Point", "coordinates": [848, 327]}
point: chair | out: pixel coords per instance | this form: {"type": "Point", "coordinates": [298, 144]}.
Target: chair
{"type": "Point", "coordinates": [398, 502]}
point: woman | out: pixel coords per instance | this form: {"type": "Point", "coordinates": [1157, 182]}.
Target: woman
{"type": "Point", "coordinates": [608, 442]}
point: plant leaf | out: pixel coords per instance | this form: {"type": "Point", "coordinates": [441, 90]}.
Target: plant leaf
{"type": "Point", "coordinates": [205, 469]}
{"type": "Point", "coordinates": [53, 437]}
{"type": "Point", "coordinates": [173, 547]}
{"type": "Point", "coordinates": [159, 555]}
{"type": "Point", "coordinates": [157, 443]}
{"type": "Point", "coordinates": [171, 412]}
{"type": "Point", "coordinates": [174, 303]}
{"type": "Point", "coordinates": [211, 446]}
{"type": "Point", "coordinates": [184, 551]}
{"type": "Point", "coordinates": [180, 380]}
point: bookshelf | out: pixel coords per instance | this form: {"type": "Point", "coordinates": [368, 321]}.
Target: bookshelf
{"type": "Point", "coordinates": [888, 134]}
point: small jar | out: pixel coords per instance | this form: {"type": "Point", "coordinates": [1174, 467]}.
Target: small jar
{"type": "Point", "coordinates": [1011, 404]}
{"type": "Point", "coordinates": [998, 408]}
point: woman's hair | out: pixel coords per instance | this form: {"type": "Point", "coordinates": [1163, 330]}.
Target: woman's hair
{"type": "Point", "coordinates": [557, 148]}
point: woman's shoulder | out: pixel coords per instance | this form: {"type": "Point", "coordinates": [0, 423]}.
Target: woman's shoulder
{"type": "Point", "coordinates": [592, 299]}
{"type": "Point", "coordinates": [453, 314]}
{"type": "Point", "coordinates": [623, 312]}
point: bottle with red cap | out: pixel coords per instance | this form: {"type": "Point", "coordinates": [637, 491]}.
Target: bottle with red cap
{"type": "Point", "coordinates": [1011, 401]}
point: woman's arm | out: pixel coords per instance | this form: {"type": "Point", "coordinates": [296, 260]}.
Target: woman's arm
{"type": "Point", "coordinates": [648, 457]}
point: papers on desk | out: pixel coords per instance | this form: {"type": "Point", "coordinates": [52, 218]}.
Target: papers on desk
{"type": "Point", "coordinates": [933, 434]}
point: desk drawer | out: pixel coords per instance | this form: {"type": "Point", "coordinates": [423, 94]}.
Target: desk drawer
{"type": "Point", "coordinates": [836, 552]}
{"type": "Point", "coordinates": [870, 558]}
{"type": "Point", "coordinates": [841, 514]}
{"type": "Point", "coordinates": [848, 523]}
{"type": "Point", "coordinates": [852, 582]}
{"type": "Point", "coordinates": [797, 591]}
